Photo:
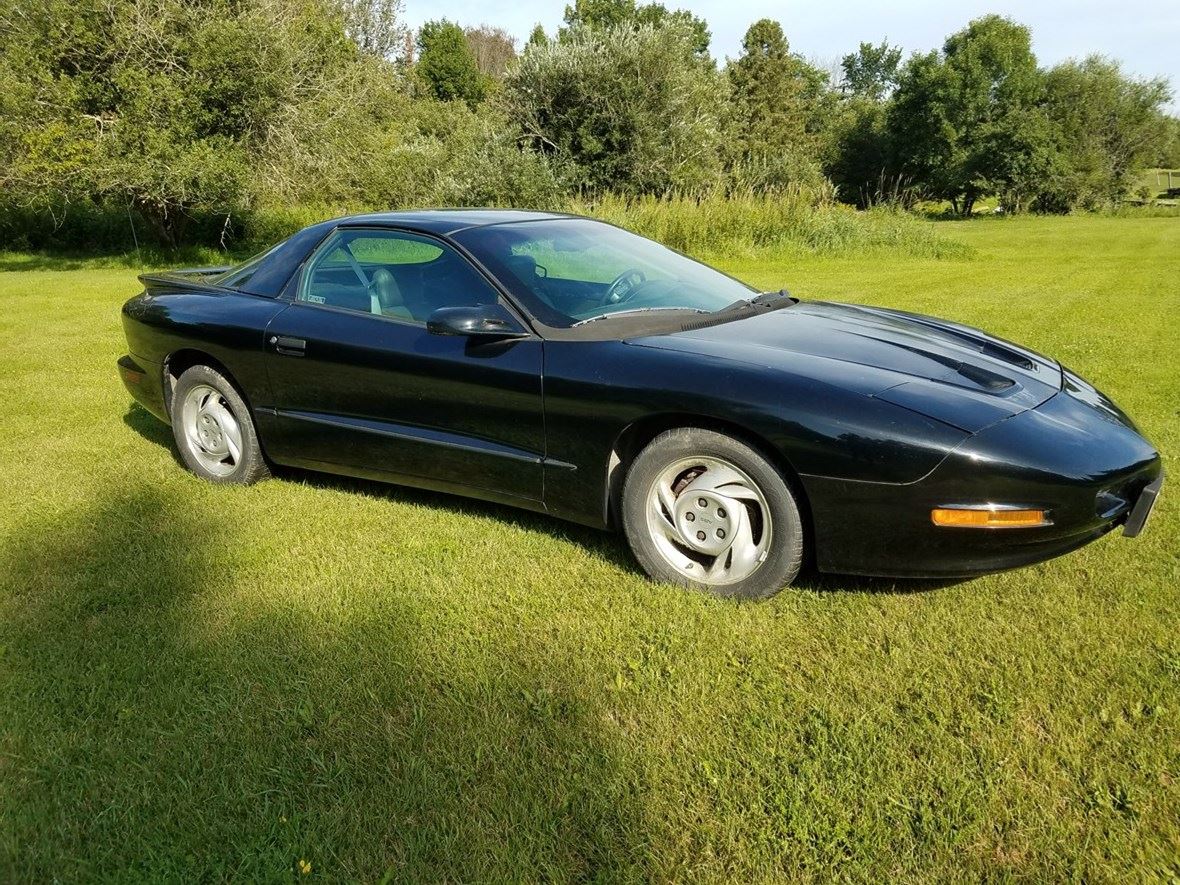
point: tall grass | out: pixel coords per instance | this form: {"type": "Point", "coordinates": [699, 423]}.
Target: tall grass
{"type": "Point", "coordinates": [790, 220]}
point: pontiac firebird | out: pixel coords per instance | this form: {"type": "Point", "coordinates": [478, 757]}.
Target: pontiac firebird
{"type": "Point", "coordinates": [567, 366]}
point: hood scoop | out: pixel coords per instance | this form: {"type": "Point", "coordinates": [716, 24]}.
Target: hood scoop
{"type": "Point", "coordinates": [979, 377]}
{"type": "Point", "coordinates": [982, 377]}
{"type": "Point", "coordinates": [988, 348]}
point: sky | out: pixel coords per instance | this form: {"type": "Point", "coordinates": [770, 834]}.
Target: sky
{"type": "Point", "coordinates": [1143, 34]}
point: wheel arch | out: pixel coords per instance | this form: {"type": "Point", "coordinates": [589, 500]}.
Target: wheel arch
{"type": "Point", "coordinates": [181, 360]}
{"type": "Point", "coordinates": [636, 435]}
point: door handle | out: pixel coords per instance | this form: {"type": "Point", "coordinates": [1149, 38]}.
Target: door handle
{"type": "Point", "coordinates": [288, 346]}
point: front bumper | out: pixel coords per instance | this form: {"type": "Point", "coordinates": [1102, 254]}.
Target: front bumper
{"type": "Point", "coordinates": [1088, 467]}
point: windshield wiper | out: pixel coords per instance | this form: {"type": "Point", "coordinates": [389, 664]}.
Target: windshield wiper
{"type": "Point", "coordinates": [763, 299]}
{"type": "Point", "coordinates": [621, 313]}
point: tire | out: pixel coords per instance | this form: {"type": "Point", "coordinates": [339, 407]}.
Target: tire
{"type": "Point", "coordinates": [707, 511]}
{"type": "Point", "coordinates": [213, 429]}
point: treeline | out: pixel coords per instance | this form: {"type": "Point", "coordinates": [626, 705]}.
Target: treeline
{"type": "Point", "coordinates": [192, 117]}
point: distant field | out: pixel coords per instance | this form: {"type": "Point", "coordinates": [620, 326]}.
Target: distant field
{"type": "Point", "coordinates": [1157, 182]}
{"type": "Point", "coordinates": [201, 683]}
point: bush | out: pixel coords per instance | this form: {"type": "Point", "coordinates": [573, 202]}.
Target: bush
{"type": "Point", "coordinates": [629, 108]}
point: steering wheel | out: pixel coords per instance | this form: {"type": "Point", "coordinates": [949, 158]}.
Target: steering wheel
{"type": "Point", "coordinates": [624, 286]}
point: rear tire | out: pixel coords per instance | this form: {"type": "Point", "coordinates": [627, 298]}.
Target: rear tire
{"type": "Point", "coordinates": [214, 430]}
{"type": "Point", "coordinates": [707, 511]}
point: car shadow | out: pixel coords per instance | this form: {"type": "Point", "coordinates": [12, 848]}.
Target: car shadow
{"type": "Point", "coordinates": [182, 721]}
{"type": "Point", "coordinates": [610, 546]}
{"type": "Point", "coordinates": [832, 582]}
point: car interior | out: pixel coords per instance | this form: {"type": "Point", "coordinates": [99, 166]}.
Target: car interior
{"type": "Point", "coordinates": [403, 284]}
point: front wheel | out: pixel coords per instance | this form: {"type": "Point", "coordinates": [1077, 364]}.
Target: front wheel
{"type": "Point", "coordinates": [213, 429]}
{"type": "Point", "coordinates": [705, 510]}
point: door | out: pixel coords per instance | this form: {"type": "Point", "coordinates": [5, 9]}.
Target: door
{"type": "Point", "coordinates": [359, 386]}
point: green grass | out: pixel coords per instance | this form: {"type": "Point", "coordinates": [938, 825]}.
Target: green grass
{"type": "Point", "coordinates": [200, 683]}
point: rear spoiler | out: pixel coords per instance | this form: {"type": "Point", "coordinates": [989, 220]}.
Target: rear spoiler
{"type": "Point", "coordinates": [185, 278]}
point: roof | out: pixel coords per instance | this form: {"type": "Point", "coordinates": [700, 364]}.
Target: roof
{"type": "Point", "coordinates": [448, 221]}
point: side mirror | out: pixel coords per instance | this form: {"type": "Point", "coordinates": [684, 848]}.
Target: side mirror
{"type": "Point", "coordinates": [477, 321]}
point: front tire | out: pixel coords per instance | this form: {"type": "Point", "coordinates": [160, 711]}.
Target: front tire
{"type": "Point", "coordinates": [708, 511]}
{"type": "Point", "coordinates": [213, 429]}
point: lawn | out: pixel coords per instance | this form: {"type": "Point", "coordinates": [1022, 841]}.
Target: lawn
{"type": "Point", "coordinates": [200, 683]}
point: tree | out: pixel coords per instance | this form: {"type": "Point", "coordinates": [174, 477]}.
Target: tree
{"type": "Point", "coordinates": [871, 71]}
{"type": "Point", "coordinates": [1167, 156]}
{"type": "Point", "coordinates": [537, 37]}
{"type": "Point", "coordinates": [656, 14]}
{"type": "Point", "coordinates": [860, 161]}
{"type": "Point", "coordinates": [629, 108]}
{"type": "Point", "coordinates": [619, 13]}
{"type": "Point", "coordinates": [446, 64]}
{"type": "Point", "coordinates": [493, 49]}
{"type": "Point", "coordinates": [969, 122]}
{"type": "Point", "coordinates": [376, 26]}
{"type": "Point", "coordinates": [599, 13]}
{"type": "Point", "coordinates": [1111, 126]}
{"type": "Point", "coordinates": [779, 101]}
{"type": "Point", "coordinates": [158, 114]}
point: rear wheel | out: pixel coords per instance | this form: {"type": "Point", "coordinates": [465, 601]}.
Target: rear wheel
{"type": "Point", "coordinates": [213, 429]}
{"type": "Point", "coordinates": [707, 511]}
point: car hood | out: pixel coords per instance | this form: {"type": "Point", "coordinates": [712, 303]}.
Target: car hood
{"type": "Point", "coordinates": [953, 373]}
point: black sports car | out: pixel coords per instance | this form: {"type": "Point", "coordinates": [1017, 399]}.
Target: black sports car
{"type": "Point", "coordinates": [568, 366]}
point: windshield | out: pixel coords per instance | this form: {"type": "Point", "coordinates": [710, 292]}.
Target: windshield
{"type": "Point", "coordinates": [573, 270]}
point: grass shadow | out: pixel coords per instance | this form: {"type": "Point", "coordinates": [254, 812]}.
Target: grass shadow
{"type": "Point", "coordinates": [18, 263]}
{"type": "Point", "coordinates": [139, 260]}
{"type": "Point", "coordinates": [165, 720]}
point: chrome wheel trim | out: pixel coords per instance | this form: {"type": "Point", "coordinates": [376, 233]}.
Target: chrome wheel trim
{"type": "Point", "coordinates": [709, 520]}
{"type": "Point", "coordinates": [213, 432]}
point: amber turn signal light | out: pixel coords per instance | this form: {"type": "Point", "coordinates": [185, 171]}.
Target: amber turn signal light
{"type": "Point", "coordinates": [987, 518]}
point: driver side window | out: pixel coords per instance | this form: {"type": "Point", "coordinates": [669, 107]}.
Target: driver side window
{"type": "Point", "coordinates": [393, 274]}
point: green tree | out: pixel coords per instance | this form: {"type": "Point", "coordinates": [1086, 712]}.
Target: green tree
{"type": "Point", "coordinates": [599, 13]}
{"type": "Point", "coordinates": [860, 162]}
{"type": "Point", "coordinates": [446, 64]}
{"type": "Point", "coordinates": [618, 13]}
{"type": "Point", "coordinates": [871, 72]}
{"type": "Point", "coordinates": [1111, 126]}
{"type": "Point", "coordinates": [969, 122]}
{"type": "Point", "coordinates": [779, 104]}
{"type": "Point", "coordinates": [160, 114]}
{"type": "Point", "coordinates": [1167, 155]}
{"type": "Point", "coordinates": [537, 37]}
{"type": "Point", "coordinates": [628, 108]}
{"type": "Point", "coordinates": [376, 26]}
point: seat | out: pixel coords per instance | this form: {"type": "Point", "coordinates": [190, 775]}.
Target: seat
{"type": "Point", "coordinates": [385, 295]}
{"type": "Point", "coordinates": [524, 268]}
